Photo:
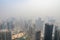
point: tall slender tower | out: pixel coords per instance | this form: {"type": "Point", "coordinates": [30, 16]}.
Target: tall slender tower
{"type": "Point", "coordinates": [48, 31]}
{"type": "Point", "coordinates": [55, 34]}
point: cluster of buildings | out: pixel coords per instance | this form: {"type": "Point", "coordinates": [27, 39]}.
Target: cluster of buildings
{"type": "Point", "coordinates": [35, 29]}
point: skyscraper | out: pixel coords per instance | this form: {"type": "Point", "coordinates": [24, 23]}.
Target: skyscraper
{"type": "Point", "coordinates": [48, 31]}
{"type": "Point", "coordinates": [5, 35]}
{"type": "Point", "coordinates": [39, 24]}
{"type": "Point", "coordinates": [38, 35]}
{"type": "Point", "coordinates": [57, 33]}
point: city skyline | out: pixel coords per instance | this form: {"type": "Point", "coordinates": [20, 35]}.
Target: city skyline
{"type": "Point", "coordinates": [30, 8]}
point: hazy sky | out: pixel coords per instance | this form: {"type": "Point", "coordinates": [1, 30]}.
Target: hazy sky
{"type": "Point", "coordinates": [30, 8]}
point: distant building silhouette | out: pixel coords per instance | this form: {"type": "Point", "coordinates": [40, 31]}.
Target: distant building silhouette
{"type": "Point", "coordinates": [10, 25]}
{"type": "Point", "coordinates": [0, 26]}
{"type": "Point", "coordinates": [39, 24]}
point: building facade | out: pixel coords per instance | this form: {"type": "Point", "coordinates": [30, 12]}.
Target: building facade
{"type": "Point", "coordinates": [48, 31]}
{"type": "Point", "coordinates": [5, 35]}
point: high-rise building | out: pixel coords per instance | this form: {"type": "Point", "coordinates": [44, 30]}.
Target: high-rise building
{"type": "Point", "coordinates": [48, 31]}
{"type": "Point", "coordinates": [38, 35]}
{"type": "Point", "coordinates": [10, 25]}
{"type": "Point", "coordinates": [57, 33]}
{"type": "Point", "coordinates": [0, 26]}
{"type": "Point", "coordinates": [5, 35]}
{"type": "Point", "coordinates": [3, 26]}
{"type": "Point", "coordinates": [39, 24]}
